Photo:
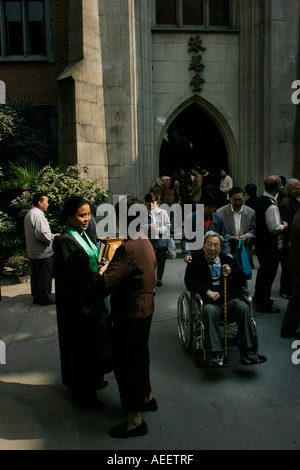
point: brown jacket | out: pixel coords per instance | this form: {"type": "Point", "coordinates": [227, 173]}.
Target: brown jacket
{"type": "Point", "coordinates": [130, 279]}
{"type": "Point", "coordinates": [294, 252]}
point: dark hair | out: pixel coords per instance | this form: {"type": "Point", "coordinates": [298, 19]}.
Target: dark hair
{"type": "Point", "coordinates": [150, 196]}
{"type": "Point", "coordinates": [209, 199]}
{"type": "Point", "coordinates": [71, 207]}
{"type": "Point", "coordinates": [37, 197]}
{"type": "Point", "coordinates": [236, 190]}
{"type": "Point", "coordinates": [283, 180]}
{"type": "Point", "coordinates": [131, 200]}
{"type": "Point", "coordinates": [197, 168]}
{"type": "Point", "coordinates": [251, 189]}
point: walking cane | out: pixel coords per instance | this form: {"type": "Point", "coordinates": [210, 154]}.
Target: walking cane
{"type": "Point", "coordinates": [225, 321]}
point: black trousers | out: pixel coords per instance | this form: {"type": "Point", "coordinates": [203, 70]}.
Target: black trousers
{"type": "Point", "coordinates": [131, 361]}
{"type": "Point", "coordinates": [161, 256]}
{"type": "Point", "coordinates": [266, 273]}
{"type": "Point", "coordinates": [41, 279]}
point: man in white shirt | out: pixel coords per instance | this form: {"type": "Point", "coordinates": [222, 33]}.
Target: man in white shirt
{"type": "Point", "coordinates": [157, 229]}
{"type": "Point", "coordinates": [239, 220]}
{"type": "Point", "coordinates": [39, 244]}
{"type": "Point", "coordinates": [268, 244]}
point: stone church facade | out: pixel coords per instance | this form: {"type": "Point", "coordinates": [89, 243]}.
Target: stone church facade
{"type": "Point", "coordinates": [145, 93]}
{"type": "Point", "coordinates": [148, 86]}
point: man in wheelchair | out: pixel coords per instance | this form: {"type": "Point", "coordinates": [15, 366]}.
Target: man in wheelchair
{"type": "Point", "coordinates": [205, 276]}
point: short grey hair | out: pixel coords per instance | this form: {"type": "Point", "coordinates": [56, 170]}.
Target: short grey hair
{"type": "Point", "coordinates": [291, 183]}
{"type": "Point", "coordinates": [210, 233]}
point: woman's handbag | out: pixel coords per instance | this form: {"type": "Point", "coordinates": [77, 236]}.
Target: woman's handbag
{"type": "Point", "coordinates": [242, 259]}
{"type": "Point", "coordinates": [171, 247]}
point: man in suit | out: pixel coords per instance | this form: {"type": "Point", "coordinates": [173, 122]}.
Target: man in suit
{"type": "Point", "coordinates": [239, 220]}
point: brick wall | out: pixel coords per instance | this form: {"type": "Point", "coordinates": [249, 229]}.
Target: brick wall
{"type": "Point", "coordinates": [38, 79]}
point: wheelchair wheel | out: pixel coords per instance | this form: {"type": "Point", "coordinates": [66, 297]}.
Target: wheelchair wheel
{"type": "Point", "coordinates": [185, 321]}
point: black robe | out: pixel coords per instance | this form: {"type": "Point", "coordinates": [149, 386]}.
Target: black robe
{"type": "Point", "coordinates": [84, 340]}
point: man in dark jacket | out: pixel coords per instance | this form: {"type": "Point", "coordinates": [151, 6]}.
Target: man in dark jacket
{"type": "Point", "coordinates": [205, 276]}
{"type": "Point", "coordinates": [291, 319]}
{"type": "Point", "coordinates": [268, 244]}
{"type": "Point", "coordinates": [288, 207]}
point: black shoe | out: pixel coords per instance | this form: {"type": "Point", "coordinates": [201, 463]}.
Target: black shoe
{"type": "Point", "coordinates": [216, 360]}
{"type": "Point", "coordinates": [120, 431]}
{"type": "Point", "coordinates": [287, 333]}
{"type": "Point", "coordinates": [159, 283]}
{"type": "Point", "coordinates": [285, 296]}
{"type": "Point", "coordinates": [248, 358]}
{"type": "Point", "coordinates": [150, 405]}
{"type": "Point", "coordinates": [268, 309]}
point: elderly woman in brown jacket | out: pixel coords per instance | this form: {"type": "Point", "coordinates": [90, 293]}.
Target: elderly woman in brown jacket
{"type": "Point", "coordinates": [129, 278]}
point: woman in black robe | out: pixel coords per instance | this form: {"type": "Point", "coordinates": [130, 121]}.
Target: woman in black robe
{"type": "Point", "coordinates": [84, 340]}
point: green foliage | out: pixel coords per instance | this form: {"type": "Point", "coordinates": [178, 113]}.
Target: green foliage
{"type": "Point", "coordinates": [11, 237]}
{"type": "Point", "coordinates": [60, 183]}
{"type": "Point", "coordinates": [24, 132]}
{"type": "Point", "coordinates": [7, 117]}
{"type": "Point", "coordinates": [20, 263]}
{"type": "Point", "coordinates": [24, 177]}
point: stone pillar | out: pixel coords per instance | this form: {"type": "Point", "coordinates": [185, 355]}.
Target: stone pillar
{"type": "Point", "coordinates": [82, 130]}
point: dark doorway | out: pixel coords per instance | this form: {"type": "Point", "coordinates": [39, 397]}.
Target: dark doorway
{"type": "Point", "coordinates": [192, 138]}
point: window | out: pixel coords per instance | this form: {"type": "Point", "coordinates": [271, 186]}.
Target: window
{"type": "Point", "coordinates": [208, 14]}
{"type": "Point", "coordinates": [23, 28]}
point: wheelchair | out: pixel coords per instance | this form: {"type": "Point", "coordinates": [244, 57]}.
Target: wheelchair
{"type": "Point", "coordinates": [191, 326]}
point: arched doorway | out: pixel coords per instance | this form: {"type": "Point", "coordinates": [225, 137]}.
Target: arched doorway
{"type": "Point", "coordinates": [192, 138]}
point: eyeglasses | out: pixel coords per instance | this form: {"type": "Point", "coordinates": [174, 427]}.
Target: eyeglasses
{"type": "Point", "coordinates": [238, 199]}
{"type": "Point", "coordinates": [213, 245]}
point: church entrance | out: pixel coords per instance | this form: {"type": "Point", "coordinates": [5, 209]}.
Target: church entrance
{"type": "Point", "coordinates": [192, 138]}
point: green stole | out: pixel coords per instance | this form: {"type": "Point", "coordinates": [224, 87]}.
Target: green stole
{"type": "Point", "coordinates": [91, 250]}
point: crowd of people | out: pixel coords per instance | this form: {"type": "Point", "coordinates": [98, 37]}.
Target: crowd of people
{"type": "Point", "coordinates": [97, 336]}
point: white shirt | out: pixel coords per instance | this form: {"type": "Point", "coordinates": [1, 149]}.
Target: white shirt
{"type": "Point", "coordinates": [237, 216]}
{"type": "Point", "coordinates": [39, 239]}
{"type": "Point", "coordinates": [273, 220]}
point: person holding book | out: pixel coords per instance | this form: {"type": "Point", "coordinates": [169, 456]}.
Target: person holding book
{"type": "Point", "coordinates": [84, 340]}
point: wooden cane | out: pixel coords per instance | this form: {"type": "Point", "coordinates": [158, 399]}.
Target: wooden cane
{"type": "Point", "coordinates": [225, 321]}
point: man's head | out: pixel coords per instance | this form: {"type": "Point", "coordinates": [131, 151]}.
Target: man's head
{"type": "Point", "coordinates": [196, 170]}
{"type": "Point", "coordinates": [151, 201]}
{"type": "Point", "coordinates": [236, 198]}
{"type": "Point", "coordinates": [251, 189]}
{"type": "Point", "coordinates": [293, 187]}
{"type": "Point", "coordinates": [40, 200]}
{"type": "Point", "coordinates": [273, 184]}
{"type": "Point", "coordinates": [209, 201]}
{"type": "Point", "coordinates": [212, 245]}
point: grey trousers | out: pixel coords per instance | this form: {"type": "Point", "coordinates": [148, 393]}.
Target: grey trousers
{"type": "Point", "coordinates": [237, 311]}
{"type": "Point", "coordinates": [41, 279]}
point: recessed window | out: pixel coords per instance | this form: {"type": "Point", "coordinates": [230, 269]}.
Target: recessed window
{"type": "Point", "coordinates": [193, 13]}
{"type": "Point", "coordinates": [22, 28]}
{"type": "Point", "coordinates": [218, 13]}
